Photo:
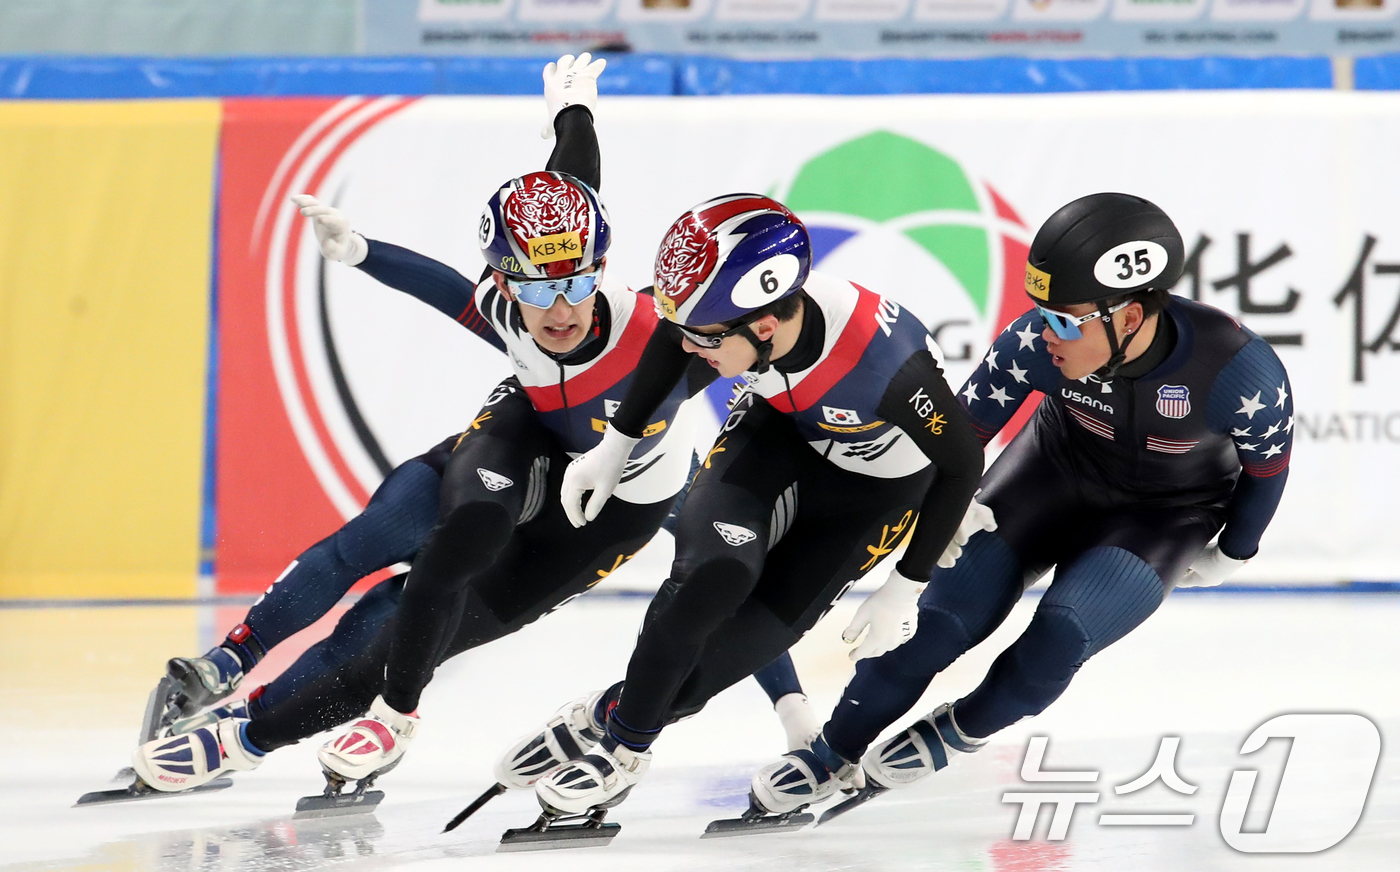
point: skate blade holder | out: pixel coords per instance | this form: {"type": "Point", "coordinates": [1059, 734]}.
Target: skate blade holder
{"type": "Point", "coordinates": [139, 790]}
{"type": "Point", "coordinates": [338, 805]}
{"type": "Point", "coordinates": [335, 802]}
{"type": "Point", "coordinates": [755, 821]}
{"type": "Point", "coordinates": [553, 832]}
{"type": "Point", "coordinates": [861, 797]}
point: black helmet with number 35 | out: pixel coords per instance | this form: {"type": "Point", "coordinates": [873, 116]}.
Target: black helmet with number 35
{"type": "Point", "coordinates": [1103, 246]}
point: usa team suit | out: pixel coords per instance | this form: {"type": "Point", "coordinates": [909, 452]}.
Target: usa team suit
{"type": "Point", "coordinates": [821, 469]}
{"type": "Point", "coordinates": [1117, 484]}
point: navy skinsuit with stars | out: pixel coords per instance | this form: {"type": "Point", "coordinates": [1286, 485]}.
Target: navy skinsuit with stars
{"type": "Point", "coordinates": [1116, 484]}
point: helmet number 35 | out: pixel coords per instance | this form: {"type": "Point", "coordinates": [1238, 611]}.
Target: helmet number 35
{"type": "Point", "coordinates": [1131, 264]}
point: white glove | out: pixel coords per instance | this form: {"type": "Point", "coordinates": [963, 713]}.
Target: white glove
{"type": "Point", "coordinates": [333, 233]}
{"type": "Point", "coordinates": [891, 613]}
{"type": "Point", "coordinates": [977, 518]}
{"type": "Point", "coordinates": [598, 470]}
{"type": "Point", "coordinates": [570, 82]}
{"type": "Point", "coordinates": [1211, 567]}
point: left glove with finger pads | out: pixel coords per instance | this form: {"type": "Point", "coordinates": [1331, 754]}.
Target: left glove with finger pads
{"type": "Point", "coordinates": [891, 614]}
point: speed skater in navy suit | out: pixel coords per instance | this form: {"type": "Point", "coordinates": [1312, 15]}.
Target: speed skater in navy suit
{"type": "Point", "coordinates": [1156, 460]}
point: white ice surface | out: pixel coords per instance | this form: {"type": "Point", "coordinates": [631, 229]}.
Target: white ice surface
{"type": "Point", "coordinates": [1208, 668]}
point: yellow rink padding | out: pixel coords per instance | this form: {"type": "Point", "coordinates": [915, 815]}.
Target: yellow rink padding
{"type": "Point", "coordinates": [105, 229]}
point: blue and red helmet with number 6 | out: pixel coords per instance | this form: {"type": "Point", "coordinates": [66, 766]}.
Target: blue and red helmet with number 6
{"type": "Point", "coordinates": [728, 257]}
{"type": "Point", "coordinates": [544, 225]}
{"type": "Point", "coordinates": [1103, 246]}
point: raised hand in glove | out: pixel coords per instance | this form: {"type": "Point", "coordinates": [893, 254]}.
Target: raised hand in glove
{"type": "Point", "coordinates": [570, 81]}
{"type": "Point", "coordinates": [890, 616]}
{"type": "Point", "coordinates": [333, 233]}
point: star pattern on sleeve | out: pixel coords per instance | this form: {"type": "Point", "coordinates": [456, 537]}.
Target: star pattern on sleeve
{"type": "Point", "coordinates": [1282, 395]}
{"type": "Point", "coordinates": [991, 358]}
{"type": "Point", "coordinates": [1273, 428]}
{"type": "Point", "coordinates": [1018, 373]}
{"type": "Point", "coordinates": [971, 393]}
{"type": "Point", "coordinates": [1241, 432]}
{"type": "Point", "coordinates": [1027, 337]}
{"type": "Point", "coordinates": [1250, 405]}
{"type": "Point", "coordinates": [1273, 450]}
{"type": "Point", "coordinates": [1000, 395]}
{"type": "Point", "coordinates": [1246, 446]}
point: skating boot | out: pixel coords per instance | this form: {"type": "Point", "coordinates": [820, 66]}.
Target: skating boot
{"type": "Point", "coordinates": [576, 796]}
{"type": "Point", "coordinates": [573, 731]}
{"type": "Point", "coordinates": [366, 750]}
{"type": "Point", "coordinates": [927, 746]}
{"type": "Point", "coordinates": [195, 758]}
{"type": "Point", "coordinates": [782, 790]}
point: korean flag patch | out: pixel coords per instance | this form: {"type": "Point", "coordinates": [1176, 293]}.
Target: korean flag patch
{"type": "Point", "coordinates": [1173, 401]}
{"type": "Point", "coordinates": [841, 417]}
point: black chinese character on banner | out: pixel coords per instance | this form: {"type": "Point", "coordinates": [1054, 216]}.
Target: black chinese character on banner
{"type": "Point", "coordinates": [1241, 283]}
{"type": "Point", "coordinates": [1354, 290]}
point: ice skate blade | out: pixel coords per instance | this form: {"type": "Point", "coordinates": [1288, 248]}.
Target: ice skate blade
{"type": "Point", "coordinates": [343, 805]}
{"type": "Point", "coordinates": [160, 710]}
{"type": "Point", "coordinates": [580, 835]}
{"type": "Point", "coordinates": [864, 795]}
{"type": "Point", "coordinates": [140, 790]}
{"type": "Point", "coordinates": [776, 823]}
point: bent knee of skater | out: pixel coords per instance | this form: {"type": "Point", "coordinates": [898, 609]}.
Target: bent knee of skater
{"type": "Point", "coordinates": [1054, 646]}
{"type": "Point", "coordinates": [709, 593]}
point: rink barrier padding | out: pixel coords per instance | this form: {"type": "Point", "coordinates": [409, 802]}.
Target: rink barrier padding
{"type": "Point", "coordinates": [111, 78]}
{"type": "Point", "coordinates": [1377, 73]}
{"type": "Point", "coordinates": [711, 76]}
{"type": "Point", "coordinates": [104, 285]}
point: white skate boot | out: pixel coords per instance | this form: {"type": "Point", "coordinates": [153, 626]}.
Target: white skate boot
{"type": "Point", "coordinates": [194, 758]}
{"type": "Point", "coordinates": [927, 746]}
{"type": "Point", "coordinates": [803, 777]}
{"type": "Point", "coordinates": [571, 733]}
{"type": "Point", "coordinates": [370, 747]}
{"type": "Point", "coordinates": [799, 721]}
{"type": "Point", "coordinates": [236, 710]}
{"type": "Point", "coordinates": [600, 780]}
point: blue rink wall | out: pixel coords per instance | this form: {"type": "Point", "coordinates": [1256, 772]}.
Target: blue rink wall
{"type": "Point", "coordinates": [96, 78]}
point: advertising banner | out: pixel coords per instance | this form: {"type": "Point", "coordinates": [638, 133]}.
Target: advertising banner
{"type": "Point", "coordinates": [827, 28]}
{"type": "Point", "coordinates": [1285, 202]}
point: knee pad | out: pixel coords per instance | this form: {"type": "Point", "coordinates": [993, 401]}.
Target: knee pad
{"type": "Point", "coordinates": [466, 542]}
{"type": "Point", "coordinates": [1053, 647]}
{"type": "Point", "coordinates": [395, 524]}
{"type": "Point", "coordinates": [712, 591]}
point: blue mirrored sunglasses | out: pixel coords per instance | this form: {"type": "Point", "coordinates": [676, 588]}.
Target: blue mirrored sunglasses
{"type": "Point", "coordinates": [1066, 326]}
{"type": "Point", "coordinates": [543, 292]}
